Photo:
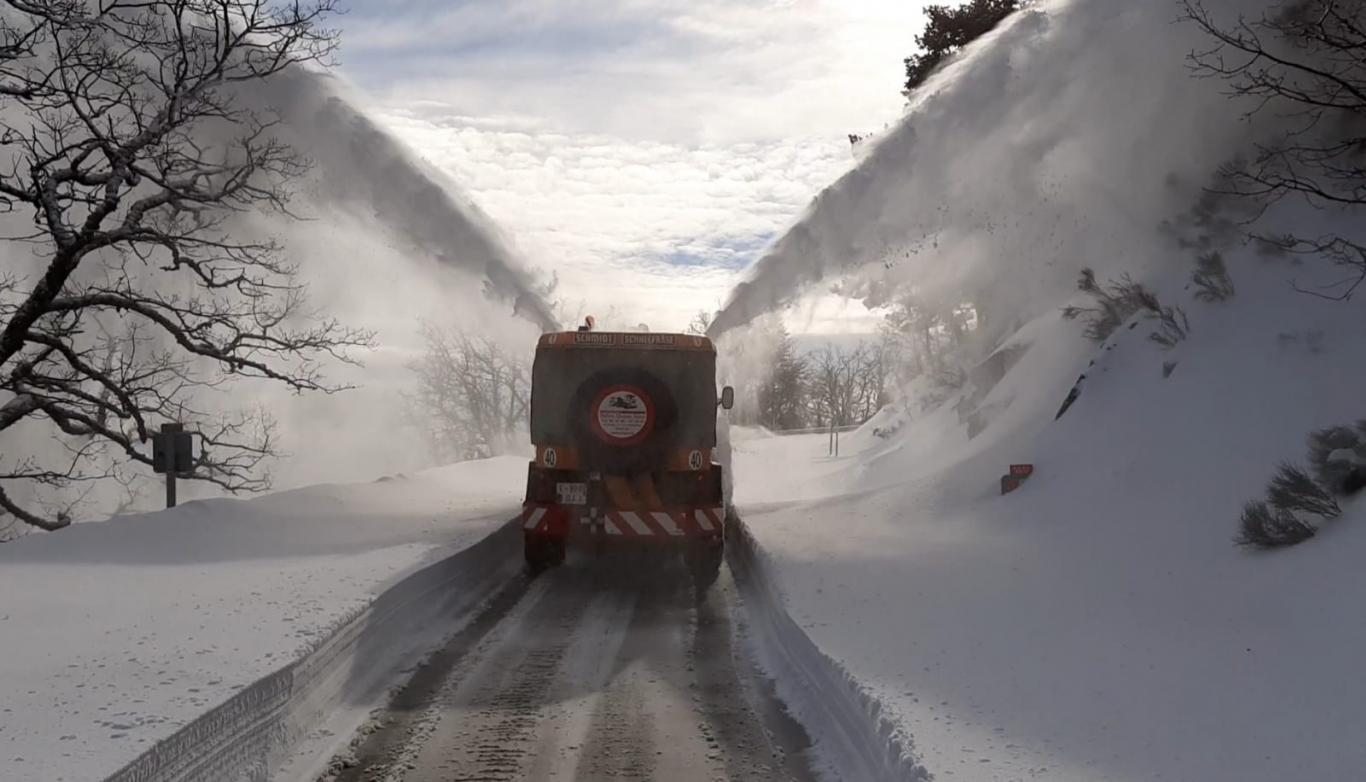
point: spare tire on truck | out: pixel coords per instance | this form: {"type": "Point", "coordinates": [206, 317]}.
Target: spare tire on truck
{"type": "Point", "coordinates": [624, 420]}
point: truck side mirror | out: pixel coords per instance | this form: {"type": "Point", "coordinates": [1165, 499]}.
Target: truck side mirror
{"type": "Point", "coordinates": [727, 398]}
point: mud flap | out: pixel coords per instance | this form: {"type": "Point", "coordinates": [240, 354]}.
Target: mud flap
{"type": "Point", "coordinates": [704, 559]}
{"type": "Point", "coordinates": [545, 535]}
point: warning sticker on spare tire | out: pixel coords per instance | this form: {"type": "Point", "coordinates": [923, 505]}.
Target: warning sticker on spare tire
{"type": "Point", "coordinates": [622, 414]}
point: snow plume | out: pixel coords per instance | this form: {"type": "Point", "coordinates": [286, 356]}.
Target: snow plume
{"type": "Point", "coordinates": [387, 243]}
{"type": "Point", "coordinates": [364, 169]}
{"type": "Point", "coordinates": [1063, 139]}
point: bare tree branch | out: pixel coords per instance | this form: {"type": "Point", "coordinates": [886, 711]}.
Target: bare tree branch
{"type": "Point", "coordinates": [1305, 60]}
{"type": "Point", "coordinates": [130, 141]}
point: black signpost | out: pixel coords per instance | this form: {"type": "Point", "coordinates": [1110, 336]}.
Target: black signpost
{"type": "Point", "coordinates": [173, 454]}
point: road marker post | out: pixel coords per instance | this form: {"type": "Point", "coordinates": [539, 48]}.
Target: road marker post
{"type": "Point", "coordinates": [172, 454]}
{"type": "Point", "coordinates": [1018, 474]}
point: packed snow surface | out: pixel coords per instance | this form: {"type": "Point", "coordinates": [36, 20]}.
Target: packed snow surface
{"type": "Point", "coordinates": [117, 633]}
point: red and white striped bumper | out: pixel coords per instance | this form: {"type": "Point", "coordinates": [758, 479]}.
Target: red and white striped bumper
{"type": "Point", "coordinates": [660, 525]}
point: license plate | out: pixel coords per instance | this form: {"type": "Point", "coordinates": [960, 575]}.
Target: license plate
{"type": "Point", "coordinates": [572, 493]}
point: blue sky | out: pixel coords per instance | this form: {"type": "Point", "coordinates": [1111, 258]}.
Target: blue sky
{"type": "Point", "coordinates": [646, 150]}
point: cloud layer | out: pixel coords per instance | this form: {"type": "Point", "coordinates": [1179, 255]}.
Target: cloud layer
{"type": "Point", "coordinates": [644, 150]}
{"type": "Point", "coordinates": [655, 230]}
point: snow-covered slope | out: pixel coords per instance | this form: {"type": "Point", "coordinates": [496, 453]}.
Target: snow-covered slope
{"type": "Point", "coordinates": [1099, 623]}
{"type": "Point", "coordinates": [116, 634]}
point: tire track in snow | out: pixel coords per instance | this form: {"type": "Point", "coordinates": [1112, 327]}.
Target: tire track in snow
{"type": "Point", "coordinates": [594, 676]}
{"type": "Point", "coordinates": [491, 714]}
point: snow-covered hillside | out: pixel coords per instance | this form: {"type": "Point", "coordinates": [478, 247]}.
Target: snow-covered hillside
{"type": "Point", "coordinates": [1099, 623]}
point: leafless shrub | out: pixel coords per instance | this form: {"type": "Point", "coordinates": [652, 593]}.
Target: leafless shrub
{"type": "Point", "coordinates": [1172, 326]}
{"type": "Point", "coordinates": [472, 396]}
{"type": "Point", "coordinates": [1263, 527]}
{"type": "Point", "coordinates": [1292, 490]}
{"type": "Point", "coordinates": [1211, 278]}
{"type": "Point", "coordinates": [1115, 302]}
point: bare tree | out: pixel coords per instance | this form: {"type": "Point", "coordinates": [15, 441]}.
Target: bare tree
{"type": "Point", "coordinates": [128, 139]}
{"type": "Point", "coordinates": [846, 386]}
{"type": "Point", "coordinates": [1305, 60]}
{"type": "Point", "coordinates": [472, 396]}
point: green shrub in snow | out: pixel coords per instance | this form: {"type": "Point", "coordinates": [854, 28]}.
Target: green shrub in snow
{"type": "Point", "coordinates": [1292, 490]}
{"type": "Point", "coordinates": [1337, 456]}
{"type": "Point", "coordinates": [1265, 527]}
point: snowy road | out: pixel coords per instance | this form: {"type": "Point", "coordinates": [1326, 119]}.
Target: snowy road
{"type": "Point", "coordinates": [588, 673]}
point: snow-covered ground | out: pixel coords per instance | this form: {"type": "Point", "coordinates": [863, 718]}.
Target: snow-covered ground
{"type": "Point", "coordinates": [115, 634]}
{"type": "Point", "coordinates": [1099, 623]}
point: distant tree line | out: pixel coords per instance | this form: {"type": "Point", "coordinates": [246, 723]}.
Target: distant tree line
{"type": "Point", "coordinates": [471, 396]}
{"type": "Point", "coordinates": [833, 386]}
{"type": "Point", "coordinates": [920, 356]}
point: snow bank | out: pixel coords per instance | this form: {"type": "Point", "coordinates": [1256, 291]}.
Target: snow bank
{"type": "Point", "coordinates": [853, 739]}
{"type": "Point", "coordinates": [120, 634]}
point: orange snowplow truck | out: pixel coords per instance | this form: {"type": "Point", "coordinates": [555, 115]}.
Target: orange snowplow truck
{"type": "Point", "coordinates": [624, 426]}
